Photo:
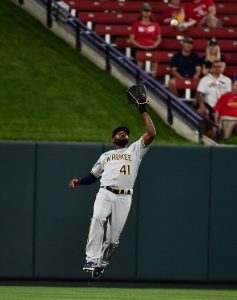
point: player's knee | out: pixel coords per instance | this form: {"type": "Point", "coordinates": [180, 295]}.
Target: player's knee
{"type": "Point", "coordinates": [99, 219]}
{"type": "Point", "coordinates": [114, 244]}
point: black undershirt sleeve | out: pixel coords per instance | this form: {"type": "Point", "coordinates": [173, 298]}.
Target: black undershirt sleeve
{"type": "Point", "coordinates": [89, 179]}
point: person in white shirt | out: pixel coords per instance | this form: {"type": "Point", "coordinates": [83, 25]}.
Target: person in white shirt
{"type": "Point", "coordinates": [210, 88]}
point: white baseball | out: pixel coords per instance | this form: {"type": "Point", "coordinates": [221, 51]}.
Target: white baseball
{"type": "Point", "coordinates": [174, 22]}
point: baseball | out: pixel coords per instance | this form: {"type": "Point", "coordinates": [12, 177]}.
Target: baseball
{"type": "Point", "coordinates": [174, 22]}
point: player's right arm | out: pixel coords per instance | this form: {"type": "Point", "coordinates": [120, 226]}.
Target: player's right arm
{"type": "Point", "coordinates": [89, 179]}
{"type": "Point", "coordinates": [92, 177]}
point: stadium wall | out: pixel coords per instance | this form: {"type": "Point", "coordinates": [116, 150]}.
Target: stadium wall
{"type": "Point", "coordinates": [182, 225]}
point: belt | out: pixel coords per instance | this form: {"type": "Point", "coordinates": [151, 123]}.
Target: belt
{"type": "Point", "coordinates": [117, 191]}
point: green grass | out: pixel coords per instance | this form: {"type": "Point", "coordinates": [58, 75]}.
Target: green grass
{"type": "Point", "coordinates": [52, 293]}
{"type": "Point", "coordinates": [48, 91]}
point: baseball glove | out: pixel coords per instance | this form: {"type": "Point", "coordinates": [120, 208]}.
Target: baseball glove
{"type": "Point", "coordinates": [137, 95]}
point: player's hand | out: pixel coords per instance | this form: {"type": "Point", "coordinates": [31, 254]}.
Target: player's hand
{"type": "Point", "coordinates": [73, 183]}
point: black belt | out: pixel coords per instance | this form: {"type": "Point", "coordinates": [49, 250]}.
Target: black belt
{"type": "Point", "coordinates": [117, 191]}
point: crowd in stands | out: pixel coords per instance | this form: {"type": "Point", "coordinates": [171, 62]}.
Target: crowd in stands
{"type": "Point", "coordinates": [207, 71]}
{"type": "Point", "coordinates": [214, 95]}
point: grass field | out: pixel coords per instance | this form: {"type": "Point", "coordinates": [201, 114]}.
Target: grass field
{"type": "Point", "coordinates": [90, 293]}
{"type": "Point", "coordinates": [48, 91]}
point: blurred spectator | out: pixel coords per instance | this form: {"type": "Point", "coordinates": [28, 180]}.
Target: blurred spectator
{"type": "Point", "coordinates": [174, 10]}
{"type": "Point", "coordinates": [210, 88]}
{"type": "Point", "coordinates": [201, 12]}
{"type": "Point", "coordinates": [185, 64]}
{"type": "Point", "coordinates": [146, 34]}
{"type": "Point", "coordinates": [226, 111]}
{"type": "Point", "coordinates": [213, 53]}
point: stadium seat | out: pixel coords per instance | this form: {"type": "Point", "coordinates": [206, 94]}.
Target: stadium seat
{"type": "Point", "coordinates": [154, 56]}
{"type": "Point", "coordinates": [167, 31]}
{"type": "Point", "coordinates": [228, 20]}
{"type": "Point", "coordinates": [107, 5]}
{"type": "Point", "coordinates": [102, 17]}
{"type": "Point", "coordinates": [230, 71]}
{"type": "Point", "coordinates": [174, 44]}
{"type": "Point", "coordinates": [108, 18]}
{"type": "Point", "coordinates": [201, 32]}
{"type": "Point", "coordinates": [187, 85]}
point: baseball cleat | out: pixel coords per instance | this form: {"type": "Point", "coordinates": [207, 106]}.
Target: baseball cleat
{"type": "Point", "coordinates": [97, 272]}
{"type": "Point", "coordinates": [89, 266]}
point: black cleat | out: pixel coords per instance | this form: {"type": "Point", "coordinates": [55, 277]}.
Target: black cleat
{"type": "Point", "coordinates": [89, 266]}
{"type": "Point", "coordinates": [97, 272]}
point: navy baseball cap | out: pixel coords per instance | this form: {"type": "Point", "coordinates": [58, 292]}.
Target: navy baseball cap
{"type": "Point", "coordinates": [124, 128]}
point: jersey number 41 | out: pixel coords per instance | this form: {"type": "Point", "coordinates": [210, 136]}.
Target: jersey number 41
{"type": "Point", "coordinates": [125, 170]}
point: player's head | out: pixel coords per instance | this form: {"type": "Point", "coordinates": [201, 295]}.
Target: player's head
{"type": "Point", "coordinates": [120, 136]}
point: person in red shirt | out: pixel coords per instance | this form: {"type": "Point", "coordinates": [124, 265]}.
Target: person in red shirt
{"type": "Point", "coordinates": [201, 12]}
{"type": "Point", "coordinates": [226, 107]}
{"type": "Point", "coordinates": [146, 34]}
{"type": "Point", "coordinates": [174, 10]}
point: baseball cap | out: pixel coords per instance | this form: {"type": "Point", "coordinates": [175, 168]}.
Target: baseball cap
{"type": "Point", "coordinates": [188, 39]}
{"type": "Point", "coordinates": [124, 128]}
{"type": "Point", "coordinates": [146, 7]}
{"type": "Point", "coordinates": [213, 41]}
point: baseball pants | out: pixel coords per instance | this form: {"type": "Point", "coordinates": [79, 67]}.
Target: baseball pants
{"type": "Point", "coordinates": [107, 207]}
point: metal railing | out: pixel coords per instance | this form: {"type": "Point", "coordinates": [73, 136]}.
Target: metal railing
{"type": "Point", "coordinates": [82, 33]}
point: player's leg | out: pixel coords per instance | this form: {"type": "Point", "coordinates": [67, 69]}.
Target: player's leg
{"type": "Point", "coordinates": [102, 209]}
{"type": "Point", "coordinates": [120, 209]}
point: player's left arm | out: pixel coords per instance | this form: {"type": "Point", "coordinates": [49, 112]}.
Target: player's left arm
{"type": "Point", "coordinates": [150, 133]}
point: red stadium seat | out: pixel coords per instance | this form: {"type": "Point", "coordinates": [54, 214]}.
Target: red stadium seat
{"type": "Point", "coordinates": [228, 20]}
{"type": "Point", "coordinates": [231, 58]}
{"type": "Point", "coordinates": [226, 8]}
{"type": "Point", "coordinates": [163, 69]}
{"type": "Point", "coordinates": [107, 5]}
{"type": "Point", "coordinates": [154, 56]}
{"type": "Point", "coordinates": [230, 71]}
{"type": "Point", "coordinates": [135, 6]}
{"type": "Point", "coordinates": [108, 18]}
{"type": "Point", "coordinates": [174, 44]}
{"type": "Point", "coordinates": [201, 32]}
{"type": "Point", "coordinates": [167, 31]}
{"type": "Point", "coordinates": [111, 17]}
{"type": "Point", "coordinates": [187, 85]}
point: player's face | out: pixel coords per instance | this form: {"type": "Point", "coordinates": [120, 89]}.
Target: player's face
{"type": "Point", "coordinates": [121, 138]}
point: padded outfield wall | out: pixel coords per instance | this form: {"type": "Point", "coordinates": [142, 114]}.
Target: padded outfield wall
{"type": "Point", "coordinates": [183, 217]}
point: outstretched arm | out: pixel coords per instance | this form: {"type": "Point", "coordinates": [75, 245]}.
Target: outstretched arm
{"type": "Point", "coordinates": [150, 133]}
{"type": "Point", "coordinates": [137, 96]}
{"type": "Point", "coordinates": [89, 179]}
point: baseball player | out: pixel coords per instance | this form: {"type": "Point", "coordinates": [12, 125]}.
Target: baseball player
{"type": "Point", "coordinates": [117, 170]}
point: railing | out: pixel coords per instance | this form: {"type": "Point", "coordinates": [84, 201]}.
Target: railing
{"type": "Point", "coordinates": [113, 56]}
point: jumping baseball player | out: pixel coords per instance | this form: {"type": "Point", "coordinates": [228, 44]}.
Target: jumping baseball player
{"type": "Point", "coordinates": [117, 170]}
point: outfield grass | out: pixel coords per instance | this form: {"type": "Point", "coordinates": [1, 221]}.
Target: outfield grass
{"type": "Point", "coordinates": [52, 293]}
{"type": "Point", "coordinates": [48, 91]}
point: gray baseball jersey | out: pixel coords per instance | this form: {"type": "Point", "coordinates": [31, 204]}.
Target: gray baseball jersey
{"type": "Point", "coordinates": [116, 168]}
{"type": "Point", "coordinates": [119, 167]}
